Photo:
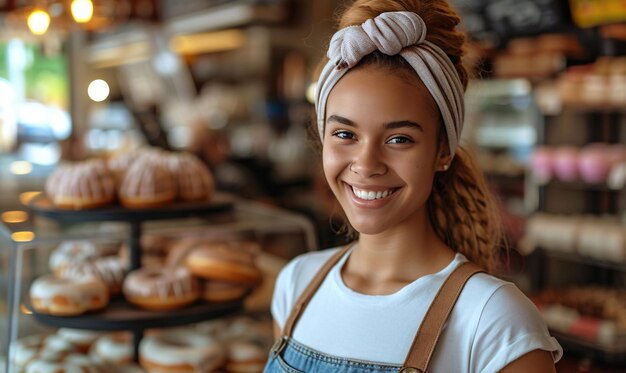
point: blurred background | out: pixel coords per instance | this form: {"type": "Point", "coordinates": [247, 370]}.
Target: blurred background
{"type": "Point", "coordinates": [230, 81]}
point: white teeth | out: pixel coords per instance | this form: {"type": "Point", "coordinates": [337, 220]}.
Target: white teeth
{"type": "Point", "coordinates": [369, 195]}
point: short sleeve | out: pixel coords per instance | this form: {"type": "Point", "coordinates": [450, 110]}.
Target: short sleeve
{"type": "Point", "coordinates": [509, 327]}
{"type": "Point", "coordinates": [279, 298]}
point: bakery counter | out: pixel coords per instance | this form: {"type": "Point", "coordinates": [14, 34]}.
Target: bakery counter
{"type": "Point", "coordinates": [93, 277]}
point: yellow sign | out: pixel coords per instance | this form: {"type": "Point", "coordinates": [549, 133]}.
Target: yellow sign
{"type": "Point", "coordinates": [589, 13]}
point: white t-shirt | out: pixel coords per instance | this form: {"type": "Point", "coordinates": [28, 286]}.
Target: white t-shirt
{"type": "Point", "coordinates": [492, 324]}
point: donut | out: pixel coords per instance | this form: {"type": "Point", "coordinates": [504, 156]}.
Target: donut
{"type": "Point", "coordinates": [68, 296]}
{"type": "Point", "coordinates": [180, 352]}
{"type": "Point", "coordinates": [161, 289]}
{"type": "Point", "coordinates": [72, 251]}
{"type": "Point", "coordinates": [147, 183]}
{"type": "Point", "coordinates": [49, 347]}
{"type": "Point", "coordinates": [220, 261]}
{"type": "Point", "coordinates": [81, 185]}
{"type": "Point", "coordinates": [74, 363]}
{"type": "Point", "coordinates": [82, 339]}
{"type": "Point", "coordinates": [193, 178]}
{"type": "Point", "coordinates": [115, 348]}
{"type": "Point", "coordinates": [110, 270]}
{"type": "Point", "coordinates": [221, 291]}
{"type": "Point", "coordinates": [245, 357]}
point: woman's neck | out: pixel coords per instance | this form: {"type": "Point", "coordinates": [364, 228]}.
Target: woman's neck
{"type": "Point", "coordinates": [384, 263]}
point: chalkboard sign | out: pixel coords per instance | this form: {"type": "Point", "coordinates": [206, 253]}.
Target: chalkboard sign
{"type": "Point", "coordinates": [511, 18]}
{"type": "Point", "coordinates": [473, 19]}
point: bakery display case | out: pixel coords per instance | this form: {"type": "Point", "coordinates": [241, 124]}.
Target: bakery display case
{"type": "Point", "coordinates": [158, 238]}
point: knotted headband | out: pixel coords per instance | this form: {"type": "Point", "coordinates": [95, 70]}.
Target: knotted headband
{"type": "Point", "coordinates": [395, 33]}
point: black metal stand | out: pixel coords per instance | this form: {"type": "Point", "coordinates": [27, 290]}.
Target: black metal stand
{"type": "Point", "coordinates": [120, 315]}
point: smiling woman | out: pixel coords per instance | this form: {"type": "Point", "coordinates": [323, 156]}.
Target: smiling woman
{"type": "Point", "coordinates": [389, 107]}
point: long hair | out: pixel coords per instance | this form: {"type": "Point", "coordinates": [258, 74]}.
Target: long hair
{"type": "Point", "coordinates": [461, 208]}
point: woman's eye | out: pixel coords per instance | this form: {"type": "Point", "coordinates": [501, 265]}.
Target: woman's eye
{"type": "Point", "coordinates": [400, 140]}
{"type": "Point", "coordinates": [344, 135]}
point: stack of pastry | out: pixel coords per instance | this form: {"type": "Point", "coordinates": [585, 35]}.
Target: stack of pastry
{"type": "Point", "coordinates": [139, 179]}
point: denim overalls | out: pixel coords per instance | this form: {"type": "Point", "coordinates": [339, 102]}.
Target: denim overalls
{"type": "Point", "coordinates": [289, 356]}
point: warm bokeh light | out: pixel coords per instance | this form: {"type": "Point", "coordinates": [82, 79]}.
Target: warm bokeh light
{"type": "Point", "coordinates": [23, 236]}
{"type": "Point", "coordinates": [98, 90]}
{"type": "Point", "coordinates": [38, 22]}
{"type": "Point", "coordinates": [26, 197]}
{"type": "Point", "coordinates": [25, 310]}
{"type": "Point", "coordinates": [14, 216]}
{"type": "Point", "coordinates": [82, 10]}
{"type": "Point", "coordinates": [21, 168]}
{"type": "Point", "coordinates": [310, 92]}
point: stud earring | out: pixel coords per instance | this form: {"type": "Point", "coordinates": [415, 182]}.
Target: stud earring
{"type": "Point", "coordinates": [445, 167]}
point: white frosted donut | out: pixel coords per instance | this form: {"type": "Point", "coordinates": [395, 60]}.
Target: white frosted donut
{"type": "Point", "coordinates": [181, 352]}
{"type": "Point", "coordinates": [82, 339]}
{"type": "Point", "coordinates": [68, 297]}
{"type": "Point", "coordinates": [50, 347]}
{"type": "Point", "coordinates": [161, 289]}
{"type": "Point", "coordinates": [75, 251]}
{"type": "Point", "coordinates": [74, 363]}
{"type": "Point", "coordinates": [111, 270]}
{"type": "Point", "coordinates": [115, 348]}
{"type": "Point", "coordinates": [245, 357]}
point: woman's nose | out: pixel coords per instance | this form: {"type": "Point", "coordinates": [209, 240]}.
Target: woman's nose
{"type": "Point", "coordinates": [368, 161]}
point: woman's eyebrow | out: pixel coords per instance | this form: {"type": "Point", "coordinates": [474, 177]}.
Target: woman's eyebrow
{"type": "Point", "coordinates": [389, 125]}
{"type": "Point", "coordinates": [404, 124]}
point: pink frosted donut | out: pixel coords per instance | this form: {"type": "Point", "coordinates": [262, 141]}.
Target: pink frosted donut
{"type": "Point", "coordinates": [594, 164]}
{"type": "Point", "coordinates": [161, 289]}
{"type": "Point", "coordinates": [68, 297]}
{"type": "Point", "coordinates": [566, 163]}
{"type": "Point", "coordinates": [541, 163]}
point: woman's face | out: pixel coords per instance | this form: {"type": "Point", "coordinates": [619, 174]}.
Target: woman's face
{"type": "Point", "coordinates": [380, 149]}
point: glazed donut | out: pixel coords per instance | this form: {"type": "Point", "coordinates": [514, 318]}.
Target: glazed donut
{"type": "Point", "coordinates": [81, 185]}
{"type": "Point", "coordinates": [181, 352]}
{"type": "Point", "coordinates": [115, 348]}
{"type": "Point", "coordinates": [147, 183]}
{"type": "Point", "coordinates": [68, 297]}
{"type": "Point", "coordinates": [222, 291]}
{"type": "Point", "coordinates": [161, 289]}
{"type": "Point", "coordinates": [245, 357]}
{"type": "Point", "coordinates": [194, 179]}
{"type": "Point", "coordinates": [82, 339]}
{"type": "Point", "coordinates": [220, 261]}
{"type": "Point", "coordinates": [70, 252]}
{"type": "Point", "coordinates": [74, 363]}
{"type": "Point", "coordinates": [110, 270]}
{"type": "Point", "coordinates": [49, 347]}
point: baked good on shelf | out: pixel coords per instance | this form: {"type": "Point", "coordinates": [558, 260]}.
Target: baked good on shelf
{"type": "Point", "coordinates": [161, 289]}
{"type": "Point", "coordinates": [147, 183]}
{"type": "Point", "coordinates": [114, 348]}
{"type": "Point", "coordinates": [68, 296]}
{"type": "Point", "coordinates": [154, 250]}
{"type": "Point", "coordinates": [111, 270]}
{"type": "Point", "coordinates": [193, 178]}
{"type": "Point", "coordinates": [221, 291]}
{"type": "Point", "coordinates": [73, 363]}
{"type": "Point", "coordinates": [82, 339]}
{"type": "Point", "coordinates": [224, 262]}
{"type": "Point", "coordinates": [81, 185]}
{"type": "Point", "coordinates": [180, 351]}
{"type": "Point", "coordinates": [50, 347]}
{"type": "Point", "coordinates": [71, 252]}
{"type": "Point", "coordinates": [119, 163]}
{"type": "Point", "coordinates": [245, 357]}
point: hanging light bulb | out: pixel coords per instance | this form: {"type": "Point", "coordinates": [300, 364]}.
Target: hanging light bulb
{"type": "Point", "coordinates": [82, 10]}
{"type": "Point", "coordinates": [38, 22]}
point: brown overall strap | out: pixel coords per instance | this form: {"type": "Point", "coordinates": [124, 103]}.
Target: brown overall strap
{"type": "Point", "coordinates": [429, 331]}
{"type": "Point", "coordinates": [308, 293]}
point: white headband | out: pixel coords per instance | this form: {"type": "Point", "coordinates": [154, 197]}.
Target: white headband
{"type": "Point", "coordinates": [395, 33]}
